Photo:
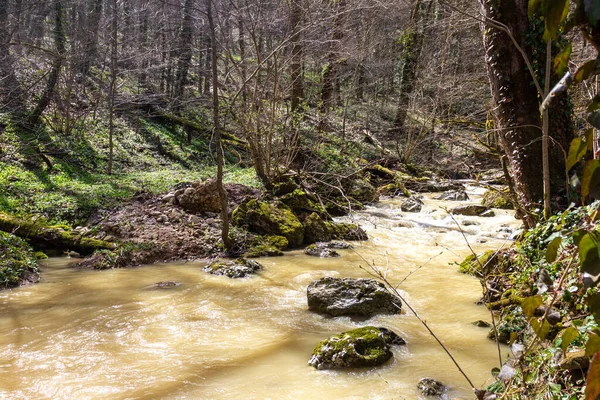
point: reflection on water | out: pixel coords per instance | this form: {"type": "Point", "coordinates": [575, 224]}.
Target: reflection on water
{"type": "Point", "coordinates": [112, 335]}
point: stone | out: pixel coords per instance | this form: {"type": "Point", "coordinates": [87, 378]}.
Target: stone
{"type": "Point", "coordinates": [488, 214]}
{"type": "Point", "coordinates": [453, 195]}
{"type": "Point", "coordinates": [315, 229]}
{"type": "Point", "coordinates": [240, 268]}
{"type": "Point", "coordinates": [321, 250]}
{"type": "Point", "coordinates": [348, 296]}
{"type": "Point", "coordinates": [363, 347]}
{"type": "Point", "coordinates": [269, 246]}
{"type": "Point", "coordinates": [497, 199]}
{"type": "Point", "coordinates": [363, 192]}
{"type": "Point", "coordinates": [469, 210]}
{"type": "Point", "coordinates": [269, 219]}
{"type": "Point", "coordinates": [431, 387]}
{"type": "Point", "coordinates": [169, 198]}
{"type": "Point", "coordinates": [575, 361]}
{"type": "Point", "coordinates": [201, 197]}
{"type": "Point", "coordinates": [412, 204]}
{"type": "Point", "coordinates": [482, 324]}
{"type": "Point", "coordinates": [339, 245]}
{"type": "Point", "coordinates": [166, 284]}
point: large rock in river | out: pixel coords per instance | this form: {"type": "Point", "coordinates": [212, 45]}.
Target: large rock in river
{"type": "Point", "coordinates": [240, 268]}
{"type": "Point", "coordinates": [348, 296]}
{"type": "Point", "coordinates": [318, 230]}
{"type": "Point", "coordinates": [469, 210]}
{"type": "Point", "coordinates": [268, 219]}
{"type": "Point", "coordinates": [363, 347]}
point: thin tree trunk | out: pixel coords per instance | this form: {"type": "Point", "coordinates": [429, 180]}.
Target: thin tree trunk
{"type": "Point", "coordinates": [330, 71]}
{"type": "Point", "coordinates": [59, 44]}
{"type": "Point", "coordinates": [113, 82]}
{"type": "Point", "coordinates": [545, 129]}
{"type": "Point", "coordinates": [215, 99]}
{"type": "Point", "coordinates": [296, 67]}
{"type": "Point", "coordinates": [185, 52]}
{"type": "Point", "coordinates": [11, 93]}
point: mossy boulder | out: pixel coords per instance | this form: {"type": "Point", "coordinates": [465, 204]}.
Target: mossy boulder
{"type": "Point", "coordinates": [348, 296]}
{"type": "Point", "coordinates": [269, 246]}
{"type": "Point", "coordinates": [358, 348]}
{"type": "Point", "coordinates": [240, 268]}
{"type": "Point", "coordinates": [470, 210]}
{"type": "Point", "coordinates": [321, 250]}
{"type": "Point", "coordinates": [363, 192]}
{"type": "Point", "coordinates": [318, 230]}
{"type": "Point", "coordinates": [412, 204]}
{"type": "Point", "coordinates": [302, 204]}
{"type": "Point", "coordinates": [431, 387]}
{"type": "Point", "coordinates": [453, 195]}
{"type": "Point", "coordinates": [18, 263]}
{"type": "Point", "coordinates": [472, 265]}
{"type": "Point", "coordinates": [268, 219]}
{"type": "Point", "coordinates": [497, 199]}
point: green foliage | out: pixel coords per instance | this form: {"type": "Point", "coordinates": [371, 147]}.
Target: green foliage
{"type": "Point", "coordinates": [16, 260]}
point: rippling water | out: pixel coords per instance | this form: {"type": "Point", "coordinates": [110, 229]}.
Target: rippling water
{"type": "Point", "coordinates": [84, 334]}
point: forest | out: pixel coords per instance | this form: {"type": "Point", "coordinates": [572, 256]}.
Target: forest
{"type": "Point", "coordinates": [367, 177]}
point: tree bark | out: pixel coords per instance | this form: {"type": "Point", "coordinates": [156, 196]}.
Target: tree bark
{"type": "Point", "coordinates": [515, 102]}
{"type": "Point", "coordinates": [296, 68]}
{"type": "Point", "coordinates": [11, 92]}
{"type": "Point", "coordinates": [59, 44]}
{"type": "Point", "coordinates": [331, 68]}
{"type": "Point", "coordinates": [217, 128]}
{"type": "Point", "coordinates": [185, 52]}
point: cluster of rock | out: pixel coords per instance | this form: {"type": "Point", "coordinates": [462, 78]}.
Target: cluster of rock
{"type": "Point", "coordinates": [240, 268]}
{"type": "Point", "coordinates": [326, 249]}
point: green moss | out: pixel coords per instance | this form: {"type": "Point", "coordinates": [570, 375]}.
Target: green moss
{"type": "Point", "coordinates": [17, 261]}
{"type": "Point", "coordinates": [315, 229]}
{"type": "Point", "coordinates": [267, 246]}
{"type": "Point", "coordinates": [345, 231]}
{"type": "Point", "coordinates": [267, 219]}
{"type": "Point", "coordinates": [472, 265]}
{"type": "Point", "coordinates": [40, 255]}
{"type": "Point", "coordinates": [497, 199]}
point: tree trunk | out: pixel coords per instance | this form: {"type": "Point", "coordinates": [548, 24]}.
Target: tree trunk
{"type": "Point", "coordinates": [515, 109]}
{"type": "Point", "coordinates": [185, 52]}
{"type": "Point", "coordinates": [330, 70]}
{"type": "Point", "coordinates": [11, 93]}
{"type": "Point", "coordinates": [412, 39]}
{"type": "Point", "coordinates": [90, 38]}
{"type": "Point", "coordinates": [216, 122]}
{"type": "Point", "coordinates": [113, 81]}
{"type": "Point", "coordinates": [59, 44]}
{"type": "Point", "coordinates": [296, 68]}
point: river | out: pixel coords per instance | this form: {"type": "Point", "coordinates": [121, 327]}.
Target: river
{"type": "Point", "coordinates": [82, 334]}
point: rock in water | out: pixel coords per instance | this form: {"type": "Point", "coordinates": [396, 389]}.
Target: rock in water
{"type": "Point", "coordinates": [348, 296]}
{"type": "Point", "coordinates": [362, 347]}
{"type": "Point", "coordinates": [412, 204]}
{"type": "Point", "coordinates": [453, 195]}
{"type": "Point", "coordinates": [320, 250]}
{"type": "Point", "coordinates": [240, 268]}
{"type": "Point", "coordinates": [166, 284]}
{"type": "Point", "coordinates": [469, 209]}
{"type": "Point", "coordinates": [431, 387]}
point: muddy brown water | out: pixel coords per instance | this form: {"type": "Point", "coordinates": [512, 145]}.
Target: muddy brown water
{"type": "Point", "coordinates": [83, 334]}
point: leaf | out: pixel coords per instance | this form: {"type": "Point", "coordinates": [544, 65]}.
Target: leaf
{"type": "Point", "coordinates": [594, 306]}
{"type": "Point", "coordinates": [594, 103]}
{"type": "Point", "coordinates": [593, 119]}
{"type": "Point", "coordinates": [589, 139]}
{"type": "Point", "coordinates": [593, 345]}
{"type": "Point", "coordinates": [567, 336]}
{"type": "Point", "coordinates": [591, 178]}
{"type": "Point", "coordinates": [592, 11]}
{"type": "Point", "coordinates": [561, 61]}
{"type": "Point", "coordinates": [589, 253]}
{"type": "Point", "coordinates": [541, 329]}
{"type": "Point", "coordinates": [529, 305]}
{"type": "Point", "coordinates": [554, 11]}
{"type": "Point", "coordinates": [533, 6]}
{"type": "Point", "coordinates": [552, 249]}
{"type": "Point", "coordinates": [576, 152]}
{"type": "Point", "coordinates": [592, 387]}
{"type": "Point", "coordinates": [585, 71]}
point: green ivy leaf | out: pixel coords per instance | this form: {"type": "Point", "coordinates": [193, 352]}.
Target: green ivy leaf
{"type": "Point", "coordinates": [576, 152]}
{"type": "Point", "coordinates": [541, 329]}
{"type": "Point", "coordinates": [567, 336]}
{"type": "Point", "coordinates": [592, 387]}
{"type": "Point", "coordinates": [592, 11]}
{"type": "Point", "coordinates": [554, 11]}
{"type": "Point", "coordinates": [591, 178]}
{"type": "Point", "coordinates": [593, 119]}
{"type": "Point", "coordinates": [593, 345]}
{"type": "Point", "coordinates": [594, 306]}
{"type": "Point", "coordinates": [589, 139]}
{"type": "Point", "coordinates": [552, 249]}
{"type": "Point", "coordinates": [529, 304]}
{"type": "Point", "coordinates": [585, 71]}
{"type": "Point", "coordinates": [594, 104]}
{"type": "Point", "coordinates": [561, 61]}
{"type": "Point", "coordinates": [589, 253]}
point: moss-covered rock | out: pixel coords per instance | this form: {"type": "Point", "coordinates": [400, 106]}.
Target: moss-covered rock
{"type": "Point", "coordinates": [302, 204]}
{"type": "Point", "coordinates": [345, 231]}
{"type": "Point", "coordinates": [320, 250]}
{"type": "Point", "coordinates": [17, 261]}
{"type": "Point", "coordinates": [363, 192]}
{"type": "Point", "coordinates": [267, 219]}
{"type": "Point", "coordinates": [269, 246]}
{"type": "Point", "coordinates": [472, 265]}
{"type": "Point", "coordinates": [358, 348]}
{"type": "Point", "coordinates": [240, 268]}
{"type": "Point", "coordinates": [315, 229]}
{"type": "Point", "coordinates": [497, 199]}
